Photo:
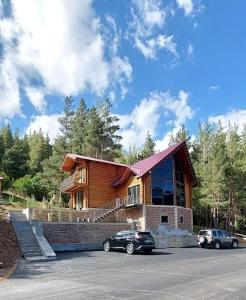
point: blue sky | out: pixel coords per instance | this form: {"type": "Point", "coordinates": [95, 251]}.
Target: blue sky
{"type": "Point", "coordinates": [162, 63]}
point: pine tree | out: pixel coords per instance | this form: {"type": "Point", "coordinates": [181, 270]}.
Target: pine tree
{"type": "Point", "coordinates": [79, 129]}
{"type": "Point", "coordinates": [66, 122]}
{"type": "Point", "coordinates": [38, 151]}
{"type": "Point", "coordinates": [15, 161]}
{"type": "Point", "coordinates": [7, 137]}
{"type": "Point", "coordinates": [94, 134]}
{"type": "Point", "coordinates": [2, 150]}
{"type": "Point", "coordinates": [181, 135]}
{"type": "Point", "coordinates": [110, 139]}
{"type": "Point", "coordinates": [148, 147]}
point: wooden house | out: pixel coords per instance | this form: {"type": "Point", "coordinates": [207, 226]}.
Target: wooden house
{"type": "Point", "coordinates": [151, 192]}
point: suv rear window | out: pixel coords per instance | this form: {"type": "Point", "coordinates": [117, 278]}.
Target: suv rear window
{"type": "Point", "coordinates": [205, 232]}
{"type": "Point", "coordinates": [144, 235]}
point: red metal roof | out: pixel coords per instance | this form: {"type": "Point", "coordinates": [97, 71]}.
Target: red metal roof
{"type": "Point", "coordinates": [142, 167]}
{"type": "Point", "coordinates": [77, 157]}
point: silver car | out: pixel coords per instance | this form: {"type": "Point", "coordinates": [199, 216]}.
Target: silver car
{"type": "Point", "coordinates": [216, 238]}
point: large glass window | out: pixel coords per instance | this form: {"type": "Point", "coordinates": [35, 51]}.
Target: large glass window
{"type": "Point", "coordinates": [135, 192]}
{"type": "Point", "coordinates": [166, 183]}
{"type": "Point", "coordinates": [162, 183]}
{"type": "Point", "coordinates": [180, 186]}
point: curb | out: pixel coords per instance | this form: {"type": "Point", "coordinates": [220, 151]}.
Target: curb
{"type": "Point", "coordinates": [8, 272]}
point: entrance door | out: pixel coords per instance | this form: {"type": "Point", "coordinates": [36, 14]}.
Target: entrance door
{"type": "Point", "coordinates": [79, 200]}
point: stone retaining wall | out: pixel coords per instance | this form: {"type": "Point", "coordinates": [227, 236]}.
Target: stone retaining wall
{"type": "Point", "coordinates": [77, 236]}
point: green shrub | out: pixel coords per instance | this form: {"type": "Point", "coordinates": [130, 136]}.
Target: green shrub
{"type": "Point", "coordinates": [31, 186]}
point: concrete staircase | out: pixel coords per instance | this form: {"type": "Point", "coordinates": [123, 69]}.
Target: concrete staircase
{"type": "Point", "coordinates": [25, 235]}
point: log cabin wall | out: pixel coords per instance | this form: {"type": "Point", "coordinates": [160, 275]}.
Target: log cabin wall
{"type": "Point", "coordinates": [100, 179]}
{"type": "Point", "coordinates": [122, 190]}
{"type": "Point", "coordinates": [188, 192]}
{"type": "Point", "coordinates": [147, 189]}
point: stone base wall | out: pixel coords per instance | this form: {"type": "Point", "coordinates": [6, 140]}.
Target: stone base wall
{"type": "Point", "coordinates": [178, 217]}
{"type": "Point", "coordinates": [80, 233]}
{"type": "Point", "coordinates": [186, 215]}
{"type": "Point", "coordinates": [153, 214]}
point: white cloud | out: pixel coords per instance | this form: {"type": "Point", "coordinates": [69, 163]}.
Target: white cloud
{"type": "Point", "coordinates": [186, 5]}
{"type": "Point", "coordinates": [36, 97]}
{"type": "Point", "coordinates": [234, 117]}
{"type": "Point", "coordinates": [62, 45]}
{"type": "Point", "coordinates": [190, 50]}
{"type": "Point", "coordinates": [9, 89]}
{"type": "Point", "coordinates": [148, 16]}
{"type": "Point", "coordinates": [214, 88]}
{"type": "Point", "coordinates": [47, 123]}
{"type": "Point", "coordinates": [150, 114]}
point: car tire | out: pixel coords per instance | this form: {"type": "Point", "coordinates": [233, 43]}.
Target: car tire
{"type": "Point", "coordinates": [217, 245]}
{"type": "Point", "coordinates": [234, 244]}
{"type": "Point", "coordinates": [106, 246]}
{"type": "Point", "coordinates": [130, 248]}
{"type": "Point", "coordinates": [148, 251]}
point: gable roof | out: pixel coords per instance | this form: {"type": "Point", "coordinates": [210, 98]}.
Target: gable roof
{"type": "Point", "coordinates": [140, 168]}
{"type": "Point", "coordinates": [143, 166]}
{"type": "Point", "coordinates": [70, 159]}
{"type": "Point", "coordinates": [146, 165]}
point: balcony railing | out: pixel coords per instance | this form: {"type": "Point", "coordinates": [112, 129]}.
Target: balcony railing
{"type": "Point", "coordinates": [74, 180]}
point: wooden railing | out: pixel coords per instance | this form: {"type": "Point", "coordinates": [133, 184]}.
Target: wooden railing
{"type": "Point", "coordinates": [74, 179]}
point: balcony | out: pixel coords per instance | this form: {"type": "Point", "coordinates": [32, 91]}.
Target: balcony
{"type": "Point", "coordinates": [73, 182]}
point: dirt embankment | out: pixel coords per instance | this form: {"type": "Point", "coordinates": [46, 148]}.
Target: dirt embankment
{"type": "Point", "coordinates": [9, 247]}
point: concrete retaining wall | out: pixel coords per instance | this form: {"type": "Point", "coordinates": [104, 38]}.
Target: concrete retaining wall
{"type": "Point", "coordinates": [175, 241]}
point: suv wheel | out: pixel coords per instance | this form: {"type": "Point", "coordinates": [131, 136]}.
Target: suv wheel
{"type": "Point", "coordinates": [130, 248]}
{"type": "Point", "coordinates": [106, 246]}
{"type": "Point", "coordinates": [217, 245]}
{"type": "Point", "coordinates": [234, 244]}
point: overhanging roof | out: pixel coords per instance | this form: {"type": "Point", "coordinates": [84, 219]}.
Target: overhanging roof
{"type": "Point", "coordinates": [70, 160]}
{"type": "Point", "coordinates": [146, 165]}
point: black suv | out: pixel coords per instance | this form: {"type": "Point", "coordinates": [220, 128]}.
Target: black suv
{"type": "Point", "coordinates": [131, 241]}
{"type": "Point", "coordinates": [216, 238]}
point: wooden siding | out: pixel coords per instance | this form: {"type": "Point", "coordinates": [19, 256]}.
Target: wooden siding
{"type": "Point", "coordinates": [188, 192]}
{"type": "Point", "coordinates": [100, 179]}
{"type": "Point", "coordinates": [122, 190]}
{"type": "Point", "coordinates": [147, 189]}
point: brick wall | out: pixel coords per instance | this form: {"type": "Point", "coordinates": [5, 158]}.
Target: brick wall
{"type": "Point", "coordinates": [153, 215]}
{"type": "Point", "coordinates": [186, 213]}
{"type": "Point", "coordinates": [72, 233]}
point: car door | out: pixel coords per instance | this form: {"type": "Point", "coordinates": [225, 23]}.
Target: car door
{"type": "Point", "coordinates": [228, 239]}
{"type": "Point", "coordinates": [118, 240]}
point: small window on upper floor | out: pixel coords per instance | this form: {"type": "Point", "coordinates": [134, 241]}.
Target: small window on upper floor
{"type": "Point", "coordinates": [164, 219]}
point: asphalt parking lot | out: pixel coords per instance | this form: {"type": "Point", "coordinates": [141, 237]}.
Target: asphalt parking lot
{"type": "Point", "coordinates": [186, 273]}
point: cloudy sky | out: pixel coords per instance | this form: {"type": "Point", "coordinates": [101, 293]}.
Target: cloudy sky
{"type": "Point", "coordinates": [162, 63]}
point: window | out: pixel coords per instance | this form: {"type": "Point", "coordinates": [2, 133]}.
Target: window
{"type": "Point", "coordinates": [79, 200]}
{"type": "Point", "coordinates": [215, 234]}
{"type": "Point", "coordinates": [164, 219]}
{"type": "Point", "coordinates": [181, 220]}
{"type": "Point", "coordinates": [162, 183]}
{"type": "Point", "coordinates": [221, 233]}
{"type": "Point", "coordinates": [135, 192]}
{"type": "Point", "coordinates": [180, 186]}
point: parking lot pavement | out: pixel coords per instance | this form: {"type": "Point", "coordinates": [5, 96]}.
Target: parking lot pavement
{"type": "Point", "coordinates": [186, 273]}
